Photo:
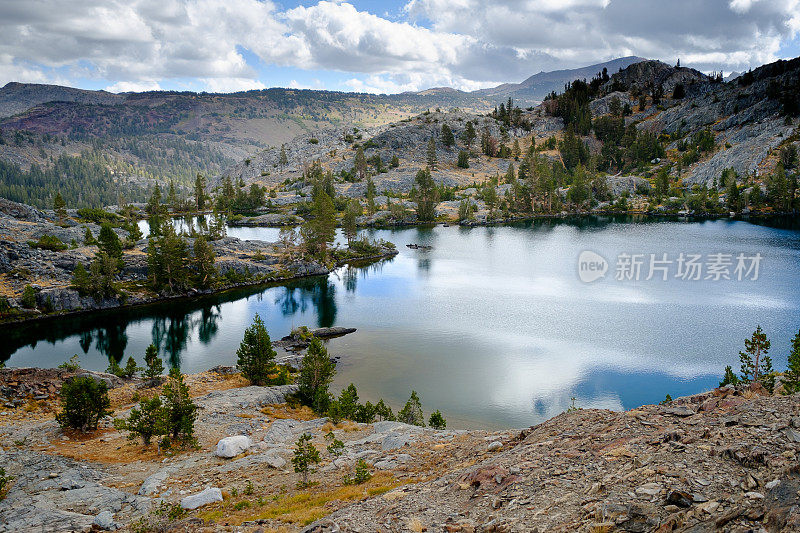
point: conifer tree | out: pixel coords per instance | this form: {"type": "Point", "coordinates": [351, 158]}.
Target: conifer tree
{"type": "Point", "coordinates": [448, 139]}
{"type": "Point", "coordinates": [360, 164]}
{"type": "Point", "coordinates": [426, 196]}
{"type": "Point", "coordinates": [109, 242]}
{"type": "Point", "coordinates": [371, 207]}
{"type": "Point", "coordinates": [320, 231]}
{"type": "Point", "coordinates": [60, 207]}
{"type": "Point", "coordinates": [200, 197]}
{"type": "Point", "coordinates": [411, 413]}
{"type": "Point", "coordinates": [88, 238]}
{"type": "Point", "coordinates": [155, 366]}
{"type": "Point", "coordinates": [469, 135]}
{"type": "Point", "coordinates": [431, 154]}
{"type": "Point", "coordinates": [754, 358]}
{"type": "Point", "coordinates": [181, 412]}
{"type": "Point", "coordinates": [204, 271]}
{"type": "Point", "coordinates": [283, 159]}
{"type": "Point", "coordinates": [316, 375]}
{"type": "Point", "coordinates": [349, 227]}
{"type": "Point", "coordinates": [791, 378]}
{"type": "Point", "coordinates": [305, 457]}
{"type": "Point", "coordinates": [255, 356]}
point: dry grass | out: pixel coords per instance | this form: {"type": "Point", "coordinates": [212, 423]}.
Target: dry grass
{"type": "Point", "coordinates": [415, 525]}
{"type": "Point", "coordinates": [300, 508]}
{"type": "Point", "coordinates": [284, 411]}
{"type": "Point", "coordinates": [344, 425]}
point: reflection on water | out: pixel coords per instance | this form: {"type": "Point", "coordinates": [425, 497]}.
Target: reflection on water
{"type": "Point", "coordinates": [491, 325]}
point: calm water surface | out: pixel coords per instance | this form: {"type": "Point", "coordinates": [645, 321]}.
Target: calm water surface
{"type": "Point", "coordinates": [492, 326]}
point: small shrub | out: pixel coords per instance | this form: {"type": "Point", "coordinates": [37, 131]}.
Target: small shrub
{"type": "Point", "coordinates": [5, 480]}
{"type": "Point", "coordinates": [84, 402]}
{"type": "Point", "coordinates": [155, 366]}
{"type": "Point", "coordinates": [411, 413]}
{"type": "Point", "coordinates": [127, 372]}
{"type": "Point", "coordinates": [730, 378]}
{"type": "Point", "coordinates": [146, 421]}
{"type": "Point", "coordinates": [305, 456]}
{"type": "Point", "coordinates": [361, 474]}
{"type": "Point", "coordinates": [437, 421]}
{"type": "Point", "coordinates": [313, 140]}
{"type": "Point", "coordinates": [48, 242]}
{"type": "Point", "coordinates": [336, 447]}
{"type": "Point", "coordinates": [29, 297]}
{"type": "Point", "coordinates": [73, 365]}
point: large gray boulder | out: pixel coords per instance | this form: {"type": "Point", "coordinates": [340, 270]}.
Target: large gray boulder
{"type": "Point", "coordinates": [230, 447]}
{"type": "Point", "coordinates": [209, 495]}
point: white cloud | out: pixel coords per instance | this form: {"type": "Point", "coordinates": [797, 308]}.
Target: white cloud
{"type": "Point", "coordinates": [232, 85]}
{"type": "Point", "coordinates": [133, 86]}
{"type": "Point", "coordinates": [466, 44]}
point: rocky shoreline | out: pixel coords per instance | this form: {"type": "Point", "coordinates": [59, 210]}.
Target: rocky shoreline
{"type": "Point", "coordinates": [49, 272]}
{"type": "Point", "coordinates": [724, 460]}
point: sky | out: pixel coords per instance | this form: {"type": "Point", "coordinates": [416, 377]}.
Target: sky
{"type": "Point", "coordinates": [378, 46]}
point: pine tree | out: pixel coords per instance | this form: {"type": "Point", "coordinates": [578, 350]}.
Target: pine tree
{"type": "Point", "coordinates": [146, 421]}
{"type": "Point", "coordinates": [155, 366]}
{"type": "Point", "coordinates": [469, 134]}
{"type": "Point", "coordinates": [305, 456]}
{"type": "Point", "coordinates": [316, 375]}
{"type": "Point", "coordinates": [204, 271]}
{"type": "Point", "coordinates": [80, 280]}
{"type": "Point", "coordinates": [172, 196]}
{"type": "Point", "coordinates": [516, 151]}
{"type": "Point", "coordinates": [437, 421]}
{"type": "Point", "coordinates": [411, 413]}
{"type": "Point", "coordinates": [426, 196]}
{"type": "Point", "coordinates": [109, 243]}
{"type": "Point", "coordinates": [349, 227]}
{"type": "Point", "coordinates": [662, 182]}
{"type": "Point", "coordinates": [791, 378]}
{"type": "Point", "coordinates": [156, 212]}
{"type": "Point", "coordinates": [448, 139]}
{"type": "Point", "coordinates": [371, 208]}
{"type": "Point", "coordinates": [200, 192]}
{"type": "Point", "coordinates": [319, 232]}
{"type": "Point", "coordinates": [729, 378]}
{"type": "Point", "coordinates": [463, 159]}
{"type": "Point", "coordinates": [754, 358]}
{"type": "Point", "coordinates": [256, 357]}
{"type": "Point", "coordinates": [88, 238]}
{"type": "Point", "coordinates": [167, 262]}
{"type": "Point", "coordinates": [360, 164]}
{"type": "Point", "coordinates": [283, 160]}
{"type": "Point", "coordinates": [777, 187]}
{"type": "Point", "coordinates": [431, 154]}
{"type": "Point", "coordinates": [181, 410]}
{"type": "Point", "coordinates": [60, 207]}
{"type": "Point", "coordinates": [102, 275]}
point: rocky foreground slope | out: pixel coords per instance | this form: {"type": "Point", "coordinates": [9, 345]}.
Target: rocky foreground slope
{"type": "Point", "coordinates": [725, 460]}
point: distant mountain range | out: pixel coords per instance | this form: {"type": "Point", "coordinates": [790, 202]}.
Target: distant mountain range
{"type": "Point", "coordinates": [535, 88]}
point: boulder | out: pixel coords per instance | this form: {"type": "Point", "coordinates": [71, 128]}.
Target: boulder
{"type": "Point", "coordinates": [105, 521]}
{"type": "Point", "coordinates": [495, 446]}
{"type": "Point", "coordinates": [232, 446]}
{"type": "Point", "coordinates": [209, 495]}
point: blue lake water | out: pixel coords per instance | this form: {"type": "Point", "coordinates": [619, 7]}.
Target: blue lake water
{"type": "Point", "coordinates": [492, 325]}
